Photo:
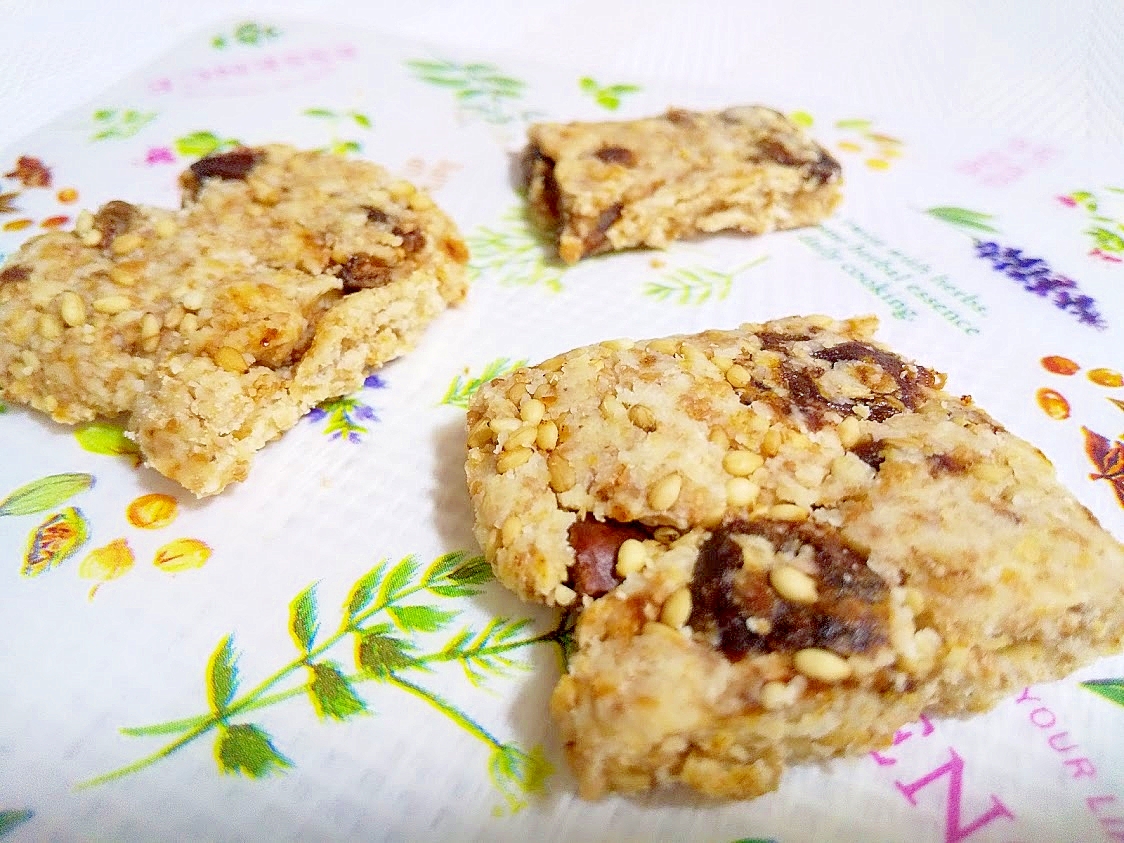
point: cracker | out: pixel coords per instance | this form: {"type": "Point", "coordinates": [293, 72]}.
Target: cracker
{"type": "Point", "coordinates": [784, 542]}
{"type": "Point", "coordinates": [283, 281]}
{"type": "Point", "coordinates": [623, 184]}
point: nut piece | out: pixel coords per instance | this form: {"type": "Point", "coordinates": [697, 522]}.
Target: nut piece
{"type": "Point", "coordinates": [677, 608]}
{"type": "Point", "coordinates": [505, 425]}
{"type": "Point", "coordinates": [192, 300]}
{"type": "Point", "coordinates": [112, 304]}
{"type": "Point", "coordinates": [480, 435]}
{"type": "Point", "coordinates": [562, 474]}
{"type": "Point", "coordinates": [822, 665]}
{"type": "Point", "coordinates": [793, 585]}
{"type": "Point", "coordinates": [510, 530]}
{"type": "Point", "coordinates": [50, 328]}
{"type": "Point", "coordinates": [524, 437]}
{"type": "Point", "coordinates": [510, 460]}
{"type": "Point", "coordinates": [738, 376]}
{"type": "Point", "coordinates": [741, 492]}
{"type": "Point", "coordinates": [742, 463]}
{"type": "Point", "coordinates": [665, 492]}
{"type": "Point", "coordinates": [149, 325]}
{"type": "Point", "coordinates": [632, 556]}
{"type": "Point", "coordinates": [642, 417]}
{"type": "Point", "coordinates": [532, 410]}
{"type": "Point", "coordinates": [72, 309]}
{"type": "Point", "coordinates": [849, 432]}
{"type": "Point", "coordinates": [774, 695]}
{"type": "Point", "coordinates": [788, 512]}
{"type": "Point", "coordinates": [230, 359]}
{"type": "Point", "coordinates": [126, 243]}
{"type": "Point", "coordinates": [546, 435]}
{"type": "Point", "coordinates": [666, 345]}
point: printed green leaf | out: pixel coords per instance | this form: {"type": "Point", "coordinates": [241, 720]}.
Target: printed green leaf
{"type": "Point", "coordinates": [345, 147]}
{"type": "Point", "coordinates": [383, 652]}
{"type": "Point", "coordinates": [361, 593]}
{"type": "Point", "coordinates": [962, 217]}
{"type": "Point", "coordinates": [516, 773]}
{"type": "Point", "coordinates": [461, 579]}
{"type": "Point", "coordinates": [480, 89]}
{"type": "Point", "coordinates": [248, 750]}
{"type": "Point", "coordinates": [442, 567]}
{"type": "Point", "coordinates": [1110, 689]}
{"type": "Point", "coordinates": [331, 694]}
{"type": "Point", "coordinates": [696, 286]}
{"type": "Point", "coordinates": [397, 580]}
{"type": "Point", "coordinates": [361, 120]}
{"type": "Point", "coordinates": [104, 114]}
{"type": "Point", "coordinates": [462, 388]}
{"type": "Point", "coordinates": [861, 125]}
{"type": "Point", "coordinates": [380, 655]}
{"type": "Point", "coordinates": [476, 571]}
{"type": "Point", "coordinates": [10, 819]}
{"type": "Point", "coordinates": [197, 144]}
{"type": "Point", "coordinates": [420, 618]}
{"type": "Point", "coordinates": [517, 252]}
{"type": "Point", "coordinates": [55, 540]}
{"type": "Point", "coordinates": [254, 34]}
{"type": "Point", "coordinates": [45, 493]}
{"type": "Point", "coordinates": [1106, 240]}
{"type": "Point", "coordinates": [108, 439]}
{"type": "Point", "coordinates": [608, 96]}
{"type": "Point", "coordinates": [756, 840]}
{"type": "Point", "coordinates": [222, 676]}
{"type": "Point", "coordinates": [318, 112]}
{"type": "Point", "coordinates": [802, 118]}
{"type": "Point", "coordinates": [302, 618]}
{"type": "Point", "coordinates": [483, 655]}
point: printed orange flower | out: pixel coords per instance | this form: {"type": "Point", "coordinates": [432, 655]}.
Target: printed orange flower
{"type": "Point", "coordinates": [1060, 365]}
{"type": "Point", "coordinates": [107, 563]}
{"type": "Point", "coordinates": [152, 512]}
{"type": "Point", "coordinates": [1106, 377]}
{"type": "Point", "coordinates": [1053, 403]}
{"type": "Point", "coordinates": [182, 555]}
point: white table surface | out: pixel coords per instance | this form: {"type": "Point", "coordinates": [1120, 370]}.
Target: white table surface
{"type": "Point", "coordinates": [1037, 67]}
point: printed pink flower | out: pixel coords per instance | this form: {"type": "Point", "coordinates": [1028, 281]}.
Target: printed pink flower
{"type": "Point", "coordinates": [159, 155]}
{"type": "Point", "coordinates": [1105, 256]}
{"type": "Point", "coordinates": [1068, 201]}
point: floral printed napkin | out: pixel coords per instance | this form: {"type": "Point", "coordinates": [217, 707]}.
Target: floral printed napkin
{"type": "Point", "coordinates": [321, 653]}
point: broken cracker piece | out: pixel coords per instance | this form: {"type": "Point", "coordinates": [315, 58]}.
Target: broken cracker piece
{"type": "Point", "coordinates": [608, 186]}
{"type": "Point", "coordinates": [783, 543]}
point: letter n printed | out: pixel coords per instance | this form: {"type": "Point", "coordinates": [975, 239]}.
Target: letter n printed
{"type": "Point", "coordinates": [954, 832]}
